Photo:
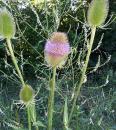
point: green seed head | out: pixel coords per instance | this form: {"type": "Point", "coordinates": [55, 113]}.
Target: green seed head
{"type": "Point", "coordinates": [26, 94]}
{"type": "Point", "coordinates": [7, 24]}
{"type": "Point", "coordinates": [98, 12]}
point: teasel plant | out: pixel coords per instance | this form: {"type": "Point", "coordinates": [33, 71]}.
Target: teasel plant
{"type": "Point", "coordinates": [27, 96]}
{"type": "Point", "coordinates": [56, 53]}
{"type": "Point", "coordinates": [7, 31]}
{"type": "Point", "coordinates": [96, 16]}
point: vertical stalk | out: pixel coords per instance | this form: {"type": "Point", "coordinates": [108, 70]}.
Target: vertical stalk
{"type": "Point", "coordinates": [51, 100]}
{"type": "Point", "coordinates": [33, 115]}
{"type": "Point", "coordinates": [15, 61]}
{"type": "Point", "coordinates": [29, 118]}
{"type": "Point", "coordinates": [78, 88]}
{"type": "Point", "coordinates": [37, 128]}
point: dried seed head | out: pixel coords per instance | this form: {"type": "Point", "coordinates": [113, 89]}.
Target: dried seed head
{"type": "Point", "coordinates": [57, 49]}
{"type": "Point", "coordinates": [7, 24]}
{"type": "Point", "coordinates": [26, 94]}
{"type": "Point", "coordinates": [98, 12]}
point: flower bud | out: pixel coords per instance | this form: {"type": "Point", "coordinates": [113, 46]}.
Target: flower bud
{"type": "Point", "coordinates": [7, 24]}
{"type": "Point", "coordinates": [98, 12]}
{"type": "Point", "coordinates": [57, 49]}
{"type": "Point", "coordinates": [26, 94]}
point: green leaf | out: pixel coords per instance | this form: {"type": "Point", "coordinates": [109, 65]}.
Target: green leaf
{"type": "Point", "coordinates": [38, 123]}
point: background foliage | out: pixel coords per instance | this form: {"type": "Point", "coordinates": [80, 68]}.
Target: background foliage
{"type": "Point", "coordinates": [96, 105]}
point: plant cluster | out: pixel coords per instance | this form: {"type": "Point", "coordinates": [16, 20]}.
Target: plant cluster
{"type": "Point", "coordinates": [57, 55]}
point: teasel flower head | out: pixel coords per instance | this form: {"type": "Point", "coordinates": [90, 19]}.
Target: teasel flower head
{"type": "Point", "coordinates": [27, 94]}
{"type": "Point", "coordinates": [57, 49]}
{"type": "Point", "coordinates": [7, 24]}
{"type": "Point", "coordinates": [97, 12]}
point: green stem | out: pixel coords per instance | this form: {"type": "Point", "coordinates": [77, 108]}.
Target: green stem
{"type": "Point", "coordinates": [51, 100]}
{"type": "Point", "coordinates": [78, 88]}
{"type": "Point", "coordinates": [15, 61]}
{"type": "Point", "coordinates": [35, 118]}
{"type": "Point", "coordinates": [37, 128]}
{"type": "Point", "coordinates": [29, 118]}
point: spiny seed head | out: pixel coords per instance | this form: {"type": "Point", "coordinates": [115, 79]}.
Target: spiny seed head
{"type": "Point", "coordinates": [7, 24]}
{"type": "Point", "coordinates": [57, 49]}
{"type": "Point", "coordinates": [26, 94]}
{"type": "Point", "coordinates": [98, 12]}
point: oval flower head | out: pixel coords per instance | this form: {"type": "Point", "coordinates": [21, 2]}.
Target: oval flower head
{"type": "Point", "coordinates": [98, 12]}
{"type": "Point", "coordinates": [27, 94]}
{"type": "Point", "coordinates": [57, 49]}
{"type": "Point", "coordinates": [7, 24]}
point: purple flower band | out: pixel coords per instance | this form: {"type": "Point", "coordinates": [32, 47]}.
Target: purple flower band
{"type": "Point", "coordinates": [57, 49]}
